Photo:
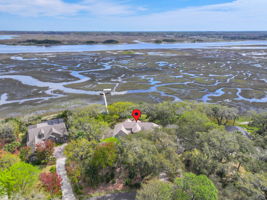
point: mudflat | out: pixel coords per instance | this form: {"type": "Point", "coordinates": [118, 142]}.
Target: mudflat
{"type": "Point", "coordinates": [47, 82]}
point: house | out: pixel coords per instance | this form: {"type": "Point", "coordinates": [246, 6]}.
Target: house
{"type": "Point", "coordinates": [54, 130]}
{"type": "Point", "coordinates": [129, 127]}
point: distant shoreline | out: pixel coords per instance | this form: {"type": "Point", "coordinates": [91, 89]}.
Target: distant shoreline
{"type": "Point", "coordinates": [78, 38]}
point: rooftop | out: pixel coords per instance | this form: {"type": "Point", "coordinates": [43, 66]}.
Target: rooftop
{"type": "Point", "coordinates": [129, 127]}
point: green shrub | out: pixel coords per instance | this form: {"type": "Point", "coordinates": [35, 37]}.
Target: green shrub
{"type": "Point", "coordinates": [191, 186]}
{"type": "Point", "coordinates": [11, 147]}
{"type": "Point", "coordinates": [155, 190]}
{"type": "Point", "coordinates": [111, 139]}
{"type": "Point", "coordinates": [25, 153]}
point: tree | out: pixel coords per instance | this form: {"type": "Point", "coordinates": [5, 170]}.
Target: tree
{"type": "Point", "coordinates": [79, 154]}
{"type": "Point", "coordinates": [197, 162]}
{"type": "Point", "coordinates": [155, 190]}
{"type": "Point", "coordinates": [105, 155]}
{"type": "Point", "coordinates": [248, 186]}
{"type": "Point", "coordinates": [260, 121]}
{"type": "Point", "coordinates": [191, 186]}
{"type": "Point", "coordinates": [100, 167]}
{"type": "Point", "coordinates": [87, 127]}
{"type": "Point", "coordinates": [189, 124]}
{"type": "Point", "coordinates": [224, 146]}
{"type": "Point", "coordinates": [140, 158]}
{"type": "Point", "coordinates": [51, 183]}
{"type": "Point", "coordinates": [163, 113]}
{"type": "Point", "coordinates": [122, 109]}
{"type": "Point", "coordinates": [222, 114]}
{"type": "Point", "coordinates": [80, 150]}
{"type": "Point", "coordinates": [9, 131]}
{"type": "Point", "coordinates": [19, 178]}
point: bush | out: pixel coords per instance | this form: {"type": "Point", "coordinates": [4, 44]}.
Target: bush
{"type": "Point", "coordinates": [155, 190]}
{"type": "Point", "coordinates": [43, 153]}
{"type": "Point", "coordinates": [53, 169]}
{"type": "Point", "coordinates": [11, 147]}
{"type": "Point", "coordinates": [25, 153]}
{"type": "Point", "coordinates": [111, 139]}
{"type": "Point", "coordinates": [51, 182]}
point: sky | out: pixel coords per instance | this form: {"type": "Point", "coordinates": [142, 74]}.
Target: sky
{"type": "Point", "coordinates": [133, 15]}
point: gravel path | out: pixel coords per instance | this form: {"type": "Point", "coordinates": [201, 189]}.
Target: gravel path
{"type": "Point", "coordinates": [67, 193]}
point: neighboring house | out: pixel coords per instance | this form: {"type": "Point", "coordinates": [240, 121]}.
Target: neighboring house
{"type": "Point", "coordinates": [129, 127]}
{"type": "Point", "coordinates": [49, 130]}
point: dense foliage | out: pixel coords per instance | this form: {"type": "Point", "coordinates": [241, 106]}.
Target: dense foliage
{"type": "Point", "coordinates": [187, 187]}
{"type": "Point", "coordinates": [192, 139]}
{"type": "Point", "coordinates": [198, 158]}
{"type": "Point", "coordinates": [18, 178]}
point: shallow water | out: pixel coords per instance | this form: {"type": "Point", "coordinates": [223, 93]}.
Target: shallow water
{"type": "Point", "coordinates": [7, 37]}
{"type": "Point", "coordinates": [82, 48]}
{"type": "Point", "coordinates": [218, 74]}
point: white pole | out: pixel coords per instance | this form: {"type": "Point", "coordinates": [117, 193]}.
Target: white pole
{"type": "Point", "coordinates": [105, 100]}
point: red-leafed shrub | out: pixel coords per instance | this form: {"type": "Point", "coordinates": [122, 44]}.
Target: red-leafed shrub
{"type": "Point", "coordinates": [44, 152]}
{"type": "Point", "coordinates": [51, 182]}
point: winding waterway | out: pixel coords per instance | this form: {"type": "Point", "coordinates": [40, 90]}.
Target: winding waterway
{"type": "Point", "coordinates": [138, 46]}
{"type": "Point", "coordinates": [51, 88]}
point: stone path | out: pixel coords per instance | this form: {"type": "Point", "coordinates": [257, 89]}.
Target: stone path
{"type": "Point", "coordinates": [67, 193]}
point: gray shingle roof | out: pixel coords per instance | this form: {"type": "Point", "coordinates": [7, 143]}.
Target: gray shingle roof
{"type": "Point", "coordinates": [45, 130]}
{"type": "Point", "coordinates": [127, 127]}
